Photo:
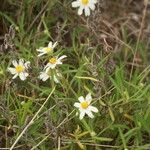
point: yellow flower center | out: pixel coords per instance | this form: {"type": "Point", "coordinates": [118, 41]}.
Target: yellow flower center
{"type": "Point", "coordinates": [84, 105]}
{"type": "Point", "coordinates": [85, 2]}
{"type": "Point", "coordinates": [52, 60]}
{"type": "Point", "coordinates": [48, 49]}
{"type": "Point", "coordinates": [19, 68]}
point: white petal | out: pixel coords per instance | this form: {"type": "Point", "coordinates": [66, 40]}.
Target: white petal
{"type": "Point", "coordinates": [55, 44]}
{"type": "Point", "coordinates": [92, 108]}
{"type": "Point", "coordinates": [44, 76]}
{"type": "Point", "coordinates": [77, 105]}
{"type": "Point", "coordinates": [12, 70]}
{"type": "Point", "coordinates": [27, 64]}
{"type": "Point", "coordinates": [75, 4]}
{"type": "Point", "coordinates": [22, 76]}
{"type": "Point", "coordinates": [40, 49]}
{"type": "Point", "coordinates": [47, 69]}
{"type": "Point", "coordinates": [88, 97]}
{"type": "Point", "coordinates": [26, 74]}
{"type": "Point", "coordinates": [41, 54]}
{"type": "Point", "coordinates": [58, 62]}
{"type": "Point", "coordinates": [82, 114]}
{"type": "Point", "coordinates": [87, 11]}
{"type": "Point", "coordinates": [81, 99]}
{"type": "Point", "coordinates": [14, 62]}
{"type": "Point", "coordinates": [92, 6]}
{"type": "Point", "coordinates": [55, 79]}
{"type": "Point", "coordinates": [62, 57]}
{"type": "Point", "coordinates": [94, 1]}
{"type": "Point", "coordinates": [80, 10]}
{"type": "Point", "coordinates": [21, 62]}
{"type": "Point", "coordinates": [90, 114]}
{"type": "Point", "coordinates": [15, 76]}
{"type": "Point", "coordinates": [52, 66]}
{"type": "Point", "coordinates": [50, 44]}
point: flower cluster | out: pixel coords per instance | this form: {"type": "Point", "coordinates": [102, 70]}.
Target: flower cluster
{"type": "Point", "coordinates": [85, 106]}
{"type": "Point", "coordinates": [50, 70]}
{"type": "Point", "coordinates": [21, 67]}
{"type": "Point", "coordinates": [47, 50]}
{"type": "Point", "coordinates": [84, 5]}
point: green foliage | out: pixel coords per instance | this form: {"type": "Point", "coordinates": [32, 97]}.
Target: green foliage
{"type": "Point", "coordinates": [123, 121]}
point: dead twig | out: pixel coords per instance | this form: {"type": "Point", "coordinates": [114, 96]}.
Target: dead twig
{"type": "Point", "coordinates": [139, 36]}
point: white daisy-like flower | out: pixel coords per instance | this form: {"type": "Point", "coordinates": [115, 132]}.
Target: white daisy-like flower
{"type": "Point", "coordinates": [20, 69]}
{"type": "Point", "coordinates": [44, 75]}
{"type": "Point", "coordinates": [85, 5]}
{"type": "Point", "coordinates": [85, 107]}
{"type": "Point", "coordinates": [54, 61]}
{"type": "Point", "coordinates": [48, 49]}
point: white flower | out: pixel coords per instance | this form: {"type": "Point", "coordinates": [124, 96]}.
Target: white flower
{"type": "Point", "coordinates": [54, 61]}
{"type": "Point", "coordinates": [20, 69]}
{"type": "Point", "coordinates": [44, 75]}
{"type": "Point", "coordinates": [85, 5]}
{"type": "Point", "coordinates": [46, 50]}
{"type": "Point", "coordinates": [85, 107]}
